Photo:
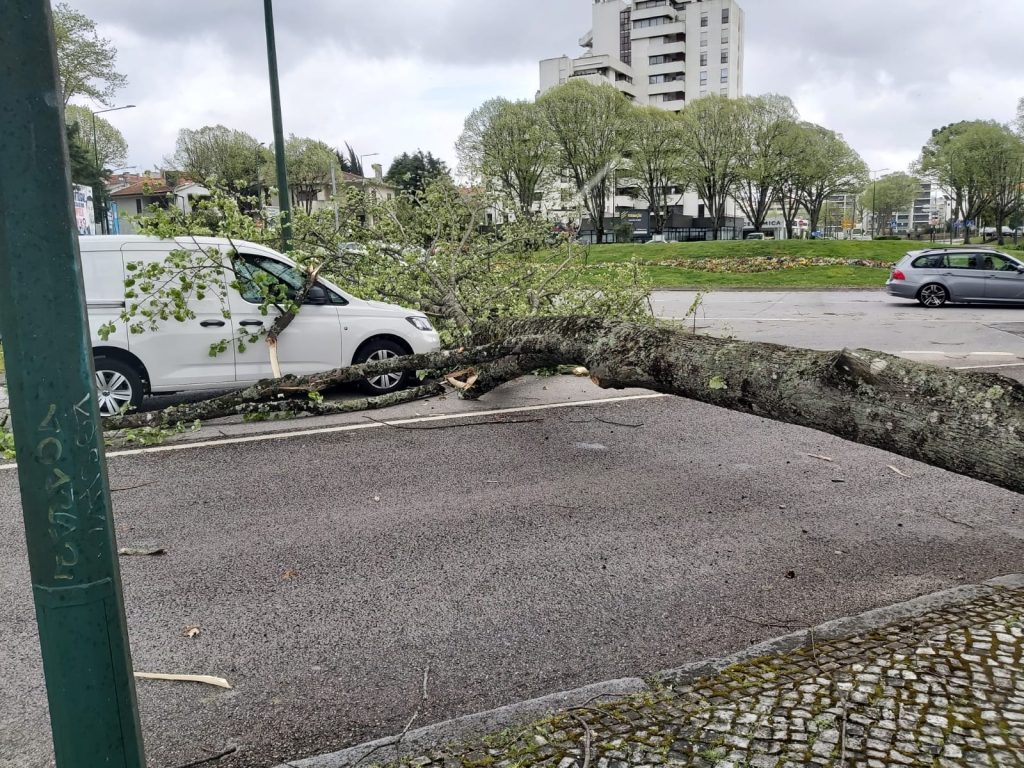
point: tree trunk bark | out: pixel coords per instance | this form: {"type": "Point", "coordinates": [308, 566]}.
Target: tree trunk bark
{"type": "Point", "coordinates": [970, 423]}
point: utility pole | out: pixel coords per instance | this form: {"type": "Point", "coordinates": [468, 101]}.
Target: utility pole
{"type": "Point", "coordinates": [69, 529]}
{"type": "Point", "coordinates": [99, 171]}
{"type": "Point", "coordinates": [284, 200]}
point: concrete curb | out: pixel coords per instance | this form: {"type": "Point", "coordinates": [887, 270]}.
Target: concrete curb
{"type": "Point", "coordinates": [477, 725]}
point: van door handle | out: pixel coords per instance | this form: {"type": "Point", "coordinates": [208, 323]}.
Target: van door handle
{"type": "Point", "coordinates": [212, 323]}
{"type": "Point", "coordinates": [251, 322]}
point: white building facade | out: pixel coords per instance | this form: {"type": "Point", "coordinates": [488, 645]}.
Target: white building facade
{"type": "Point", "coordinates": [660, 53]}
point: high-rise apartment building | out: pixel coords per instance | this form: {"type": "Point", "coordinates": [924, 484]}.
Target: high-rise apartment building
{"type": "Point", "coordinates": [658, 52]}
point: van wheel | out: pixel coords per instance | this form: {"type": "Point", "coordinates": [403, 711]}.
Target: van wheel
{"type": "Point", "coordinates": [374, 352]}
{"type": "Point", "coordinates": [118, 385]}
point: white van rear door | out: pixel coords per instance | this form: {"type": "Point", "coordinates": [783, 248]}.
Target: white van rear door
{"type": "Point", "coordinates": [312, 343]}
{"type": "Point", "coordinates": [177, 354]}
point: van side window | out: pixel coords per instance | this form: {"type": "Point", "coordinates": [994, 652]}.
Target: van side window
{"type": "Point", "coordinates": [247, 265]}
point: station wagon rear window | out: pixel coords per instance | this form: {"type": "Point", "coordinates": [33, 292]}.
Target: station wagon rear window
{"type": "Point", "coordinates": [929, 261]}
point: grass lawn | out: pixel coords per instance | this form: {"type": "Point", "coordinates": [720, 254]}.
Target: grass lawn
{"type": "Point", "coordinates": [652, 258]}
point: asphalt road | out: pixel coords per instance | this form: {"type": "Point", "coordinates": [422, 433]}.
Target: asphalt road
{"type": "Point", "coordinates": [982, 337]}
{"type": "Point", "coordinates": [326, 572]}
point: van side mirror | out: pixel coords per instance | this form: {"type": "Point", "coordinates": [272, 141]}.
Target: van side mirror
{"type": "Point", "coordinates": [316, 295]}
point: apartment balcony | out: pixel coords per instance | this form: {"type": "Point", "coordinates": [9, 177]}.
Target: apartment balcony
{"type": "Point", "coordinates": [668, 68]}
{"type": "Point", "coordinates": [602, 61]}
{"type": "Point", "coordinates": [658, 47]}
{"type": "Point", "coordinates": [657, 89]}
{"type": "Point", "coordinates": [651, 13]}
{"type": "Point", "coordinates": [678, 102]}
{"type": "Point", "coordinates": [660, 30]}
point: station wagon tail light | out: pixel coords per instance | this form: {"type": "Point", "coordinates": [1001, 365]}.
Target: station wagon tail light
{"type": "Point", "coordinates": [897, 274]}
{"type": "Point", "coordinates": [420, 323]}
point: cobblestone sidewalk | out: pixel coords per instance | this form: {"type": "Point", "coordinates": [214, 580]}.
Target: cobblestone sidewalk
{"type": "Point", "coordinates": [942, 689]}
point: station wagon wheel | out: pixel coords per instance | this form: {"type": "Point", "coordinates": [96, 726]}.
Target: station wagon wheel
{"type": "Point", "coordinates": [377, 351]}
{"type": "Point", "coordinates": [118, 386]}
{"type": "Point", "coordinates": [933, 295]}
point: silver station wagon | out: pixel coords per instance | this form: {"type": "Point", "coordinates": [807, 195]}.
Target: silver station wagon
{"type": "Point", "coordinates": [963, 275]}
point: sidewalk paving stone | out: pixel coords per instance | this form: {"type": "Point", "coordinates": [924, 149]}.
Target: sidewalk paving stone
{"type": "Point", "coordinates": [941, 689]}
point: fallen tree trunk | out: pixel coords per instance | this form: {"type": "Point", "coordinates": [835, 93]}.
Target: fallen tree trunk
{"type": "Point", "coordinates": [967, 422]}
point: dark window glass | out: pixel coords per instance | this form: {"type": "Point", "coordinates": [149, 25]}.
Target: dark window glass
{"type": "Point", "coordinates": [247, 266]}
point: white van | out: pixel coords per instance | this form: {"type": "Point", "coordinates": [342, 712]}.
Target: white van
{"type": "Point", "coordinates": [334, 329]}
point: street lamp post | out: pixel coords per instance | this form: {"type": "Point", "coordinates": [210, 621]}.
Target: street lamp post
{"type": "Point", "coordinates": [284, 201]}
{"type": "Point", "coordinates": [368, 154]}
{"type": "Point", "coordinates": [874, 209]}
{"type": "Point", "coordinates": [96, 161]}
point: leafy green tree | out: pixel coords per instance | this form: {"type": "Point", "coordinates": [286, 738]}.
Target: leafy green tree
{"type": "Point", "coordinates": [764, 158]}
{"type": "Point", "coordinates": [1003, 170]}
{"type": "Point", "coordinates": [654, 160]}
{"type": "Point", "coordinates": [589, 125]}
{"type": "Point", "coordinates": [221, 156]}
{"type": "Point", "coordinates": [110, 147]}
{"type": "Point", "coordinates": [960, 158]}
{"type": "Point", "coordinates": [712, 146]}
{"type": "Point", "coordinates": [86, 62]}
{"type": "Point", "coordinates": [1018, 122]}
{"type": "Point", "coordinates": [894, 192]}
{"type": "Point", "coordinates": [83, 167]}
{"type": "Point", "coordinates": [309, 163]}
{"type": "Point", "coordinates": [411, 174]}
{"type": "Point", "coordinates": [507, 144]}
{"type": "Point", "coordinates": [826, 166]}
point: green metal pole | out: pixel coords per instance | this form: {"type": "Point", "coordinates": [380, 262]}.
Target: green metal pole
{"type": "Point", "coordinates": [284, 199]}
{"type": "Point", "coordinates": [61, 465]}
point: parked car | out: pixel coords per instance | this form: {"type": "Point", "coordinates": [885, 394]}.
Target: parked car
{"type": "Point", "coordinates": [332, 330]}
{"type": "Point", "coordinates": [963, 275]}
{"type": "Point", "coordinates": [754, 236]}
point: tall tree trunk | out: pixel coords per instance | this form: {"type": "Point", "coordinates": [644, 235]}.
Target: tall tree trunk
{"type": "Point", "coordinates": [970, 423]}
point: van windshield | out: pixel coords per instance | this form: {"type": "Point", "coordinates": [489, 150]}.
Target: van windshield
{"type": "Point", "coordinates": [253, 271]}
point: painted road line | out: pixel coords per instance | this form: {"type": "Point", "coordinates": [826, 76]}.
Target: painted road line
{"type": "Point", "coordinates": [993, 354]}
{"type": "Point", "coordinates": [980, 367]}
{"type": "Point", "coordinates": [367, 425]}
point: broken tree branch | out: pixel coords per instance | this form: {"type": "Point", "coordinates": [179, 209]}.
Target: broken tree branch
{"type": "Point", "coordinates": [912, 409]}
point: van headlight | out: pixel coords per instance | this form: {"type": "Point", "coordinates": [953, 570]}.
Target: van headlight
{"type": "Point", "coordinates": [421, 323]}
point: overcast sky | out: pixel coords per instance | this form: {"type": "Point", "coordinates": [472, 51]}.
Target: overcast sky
{"type": "Point", "coordinates": [397, 75]}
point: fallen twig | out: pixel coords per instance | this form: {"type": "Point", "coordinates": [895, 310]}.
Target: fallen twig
{"type": "Point", "coordinates": [949, 519]}
{"type": "Point", "coordinates": [133, 551]}
{"type": "Point", "coordinates": [898, 471]}
{"type": "Point", "coordinates": [220, 682]}
{"type": "Point", "coordinates": [586, 738]}
{"type": "Point", "coordinates": [210, 759]}
{"type": "Point", "coordinates": [131, 487]}
{"type": "Point", "coordinates": [823, 458]}
{"type": "Point", "coordinates": [398, 739]}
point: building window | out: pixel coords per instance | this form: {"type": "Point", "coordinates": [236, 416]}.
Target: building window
{"type": "Point", "coordinates": [656, 22]}
{"type": "Point", "coordinates": [703, 91]}
{"type": "Point", "coordinates": [725, 74]}
{"type": "Point", "coordinates": [704, 77]}
{"type": "Point", "coordinates": [704, 58]}
{"type": "Point", "coordinates": [625, 39]}
{"type": "Point", "coordinates": [138, 205]}
{"type": "Point", "coordinates": [725, 55]}
{"type": "Point", "coordinates": [725, 36]}
{"type": "Point", "coordinates": [703, 39]}
{"type": "Point", "coordinates": [703, 19]}
{"type": "Point", "coordinates": [671, 77]}
{"type": "Point", "coordinates": [724, 91]}
{"type": "Point", "coordinates": [650, 4]}
{"type": "Point", "coordinates": [666, 58]}
{"type": "Point", "coordinates": [725, 15]}
{"type": "Point", "coordinates": [675, 96]}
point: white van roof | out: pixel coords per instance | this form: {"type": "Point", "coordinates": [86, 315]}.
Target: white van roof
{"type": "Point", "coordinates": [89, 243]}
